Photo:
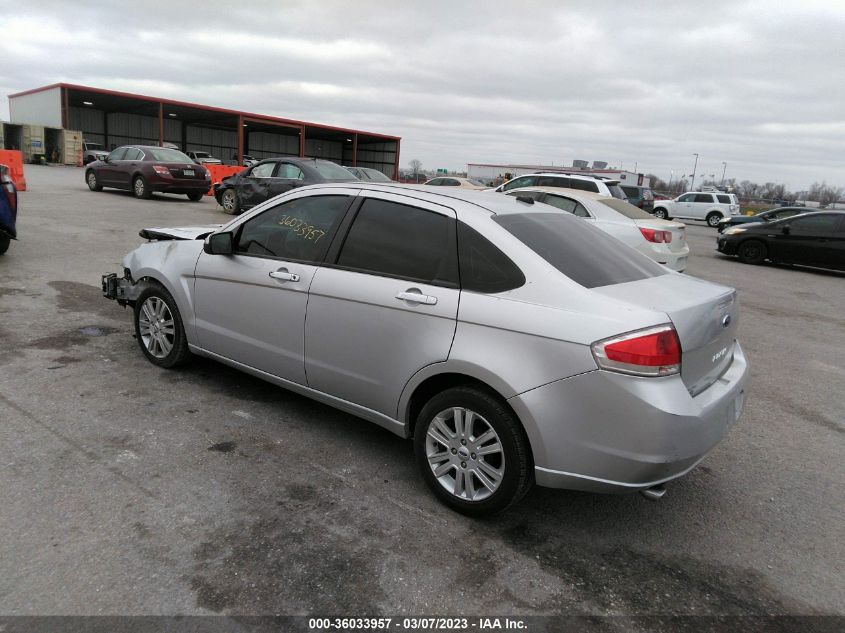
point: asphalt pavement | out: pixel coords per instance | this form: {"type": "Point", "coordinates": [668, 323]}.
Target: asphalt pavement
{"type": "Point", "coordinates": [128, 489]}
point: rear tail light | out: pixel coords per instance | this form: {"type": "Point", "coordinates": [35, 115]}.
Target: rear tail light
{"type": "Point", "coordinates": [10, 192]}
{"type": "Point", "coordinates": [658, 237]}
{"type": "Point", "coordinates": [654, 351]}
{"type": "Point", "coordinates": [161, 170]}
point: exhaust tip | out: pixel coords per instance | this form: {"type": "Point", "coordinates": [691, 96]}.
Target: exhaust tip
{"type": "Point", "coordinates": [655, 493]}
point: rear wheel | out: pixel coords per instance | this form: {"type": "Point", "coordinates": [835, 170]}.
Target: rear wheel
{"type": "Point", "coordinates": [660, 213]}
{"type": "Point", "coordinates": [196, 196]}
{"type": "Point", "coordinates": [93, 183]}
{"type": "Point", "coordinates": [713, 219]}
{"type": "Point", "coordinates": [140, 188]}
{"type": "Point", "coordinates": [751, 252]}
{"type": "Point", "coordinates": [159, 329]}
{"type": "Point", "coordinates": [229, 202]}
{"type": "Point", "coordinates": [472, 452]}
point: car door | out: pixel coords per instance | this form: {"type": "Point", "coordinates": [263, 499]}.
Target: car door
{"type": "Point", "coordinates": [127, 166]}
{"type": "Point", "coordinates": [701, 204]}
{"type": "Point", "coordinates": [810, 240]}
{"type": "Point", "coordinates": [385, 305]}
{"type": "Point", "coordinates": [250, 306]}
{"type": "Point", "coordinates": [107, 173]}
{"type": "Point", "coordinates": [684, 206]}
{"type": "Point", "coordinates": [254, 186]}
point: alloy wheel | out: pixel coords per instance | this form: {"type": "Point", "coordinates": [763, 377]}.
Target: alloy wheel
{"type": "Point", "coordinates": [465, 454]}
{"type": "Point", "coordinates": [157, 327]}
{"type": "Point", "coordinates": [228, 201]}
{"type": "Point", "coordinates": [139, 187]}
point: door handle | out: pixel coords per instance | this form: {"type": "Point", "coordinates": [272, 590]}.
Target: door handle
{"type": "Point", "coordinates": [417, 297]}
{"type": "Point", "coordinates": [283, 275]}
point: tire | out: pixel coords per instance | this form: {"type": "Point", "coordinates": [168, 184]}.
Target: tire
{"type": "Point", "coordinates": [661, 214]}
{"type": "Point", "coordinates": [195, 197]}
{"type": "Point", "coordinates": [93, 182]}
{"type": "Point", "coordinates": [5, 240]}
{"type": "Point", "coordinates": [713, 218]}
{"type": "Point", "coordinates": [159, 329]}
{"type": "Point", "coordinates": [751, 252]}
{"type": "Point", "coordinates": [442, 443]}
{"type": "Point", "coordinates": [140, 189]}
{"type": "Point", "coordinates": [229, 201]}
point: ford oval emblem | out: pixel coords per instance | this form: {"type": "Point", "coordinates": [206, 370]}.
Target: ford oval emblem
{"type": "Point", "coordinates": [726, 320]}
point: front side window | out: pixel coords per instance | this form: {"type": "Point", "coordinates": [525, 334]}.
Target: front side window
{"type": "Point", "coordinates": [263, 170]}
{"type": "Point", "coordinates": [133, 153]}
{"type": "Point", "coordinates": [117, 154]}
{"type": "Point", "coordinates": [397, 240]}
{"type": "Point", "coordinates": [436, 182]}
{"type": "Point", "coordinates": [687, 197]}
{"type": "Point", "coordinates": [522, 181]}
{"type": "Point", "coordinates": [553, 181]}
{"type": "Point", "coordinates": [585, 254]}
{"type": "Point", "coordinates": [298, 230]}
{"type": "Point", "coordinates": [703, 197]}
{"type": "Point", "coordinates": [292, 172]}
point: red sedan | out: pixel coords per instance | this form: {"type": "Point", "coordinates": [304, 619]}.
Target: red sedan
{"type": "Point", "coordinates": [143, 169]}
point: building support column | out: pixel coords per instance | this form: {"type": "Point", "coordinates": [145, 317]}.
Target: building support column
{"type": "Point", "coordinates": [240, 157]}
{"type": "Point", "coordinates": [355, 150]}
{"type": "Point", "coordinates": [65, 110]}
{"type": "Point", "coordinates": [302, 142]}
{"type": "Point", "coordinates": [396, 162]}
{"type": "Point", "coordinates": [160, 124]}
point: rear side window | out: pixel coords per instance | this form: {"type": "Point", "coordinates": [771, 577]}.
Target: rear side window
{"type": "Point", "coordinates": [703, 197]}
{"type": "Point", "coordinates": [484, 268]}
{"type": "Point", "coordinates": [724, 199]}
{"type": "Point", "coordinates": [292, 172]}
{"type": "Point", "coordinates": [553, 181]}
{"type": "Point", "coordinates": [299, 230]}
{"type": "Point", "coordinates": [263, 170]}
{"type": "Point", "coordinates": [582, 252]}
{"type": "Point", "coordinates": [567, 204]}
{"type": "Point", "coordinates": [584, 185]}
{"type": "Point", "coordinates": [397, 240]}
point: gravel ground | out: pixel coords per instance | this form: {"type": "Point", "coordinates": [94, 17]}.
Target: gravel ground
{"type": "Point", "coordinates": [127, 489]}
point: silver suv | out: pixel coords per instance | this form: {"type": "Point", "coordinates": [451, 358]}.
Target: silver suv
{"type": "Point", "coordinates": [513, 342]}
{"type": "Point", "coordinates": [593, 184]}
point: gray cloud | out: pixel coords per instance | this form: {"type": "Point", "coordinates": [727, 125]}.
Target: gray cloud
{"type": "Point", "coordinates": [756, 84]}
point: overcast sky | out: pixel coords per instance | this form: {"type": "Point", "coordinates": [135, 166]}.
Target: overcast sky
{"type": "Point", "coordinates": [759, 85]}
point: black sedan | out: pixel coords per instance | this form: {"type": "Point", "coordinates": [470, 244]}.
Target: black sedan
{"type": "Point", "coordinates": [810, 239]}
{"type": "Point", "coordinates": [764, 216]}
{"type": "Point", "coordinates": [272, 176]}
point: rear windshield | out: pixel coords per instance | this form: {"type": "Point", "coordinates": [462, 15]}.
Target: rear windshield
{"type": "Point", "coordinates": [616, 192]}
{"type": "Point", "coordinates": [627, 209]}
{"type": "Point", "coordinates": [333, 171]}
{"type": "Point", "coordinates": [584, 253]}
{"type": "Point", "coordinates": [95, 146]}
{"type": "Point", "coordinates": [167, 155]}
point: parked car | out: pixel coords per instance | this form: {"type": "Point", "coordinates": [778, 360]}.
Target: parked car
{"type": "Point", "coordinates": [93, 151]}
{"type": "Point", "coordinates": [699, 205]}
{"type": "Point", "coordinates": [454, 181]}
{"type": "Point", "coordinates": [639, 196]}
{"type": "Point", "coordinates": [811, 239]}
{"type": "Point", "coordinates": [593, 184]}
{"type": "Point", "coordinates": [659, 196]}
{"type": "Point", "coordinates": [368, 174]}
{"type": "Point", "coordinates": [273, 176]}
{"type": "Point", "coordinates": [204, 158]}
{"type": "Point", "coordinates": [248, 161]}
{"type": "Point", "coordinates": [143, 169]}
{"type": "Point", "coordinates": [763, 216]}
{"type": "Point", "coordinates": [540, 350]}
{"type": "Point", "coordinates": [8, 209]}
{"type": "Point", "coordinates": [661, 240]}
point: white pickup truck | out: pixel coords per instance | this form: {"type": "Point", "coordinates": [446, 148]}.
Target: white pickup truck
{"type": "Point", "coordinates": [698, 205]}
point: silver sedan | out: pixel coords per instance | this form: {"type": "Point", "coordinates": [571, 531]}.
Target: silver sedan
{"type": "Point", "coordinates": [514, 343]}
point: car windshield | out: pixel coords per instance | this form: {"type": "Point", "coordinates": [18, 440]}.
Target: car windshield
{"type": "Point", "coordinates": [375, 174]}
{"type": "Point", "coordinates": [475, 182]}
{"type": "Point", "coordinates": [584, 253]}
{"type": "Point", "coordinates": [202, 155]}
{"type": "Point", "coordinates": [95, 146]}
{"type": "Point", "coordinates": [166, 155]}
{"type": "Point", "coordinates": [627, 209]}
{"type": "Point", "coordinates": [333, 171]}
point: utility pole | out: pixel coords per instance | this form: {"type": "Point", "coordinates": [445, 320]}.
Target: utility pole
{"type": "Point", "coordinates": [692, 184]}
{"type": "Point", "coordinates": [724, 167]}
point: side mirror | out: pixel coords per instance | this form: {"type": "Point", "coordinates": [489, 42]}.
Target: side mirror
{"type": "Point", "coordinates": [219, 244]}
{"type": "Point", "coordinates": [785, 230]}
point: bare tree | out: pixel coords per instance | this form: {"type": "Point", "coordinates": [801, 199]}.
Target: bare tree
{"type": "Point", "coordinates": [416, 166]}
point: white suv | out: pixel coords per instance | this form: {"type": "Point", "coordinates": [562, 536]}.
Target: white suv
{"type": "Point", "coordinates": [698, 205]}
{"type": "Point", "coordinates": [593, 184]}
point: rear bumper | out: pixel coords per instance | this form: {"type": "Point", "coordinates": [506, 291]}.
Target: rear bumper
{"type": "Point", "coordinates": [608, 432]}
{"type": "Point", "coordinates": [674, 260]}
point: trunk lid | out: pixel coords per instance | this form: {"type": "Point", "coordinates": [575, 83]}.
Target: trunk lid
{"type": "Point", "coordinates": [705, 315]}
{"type": "Point", "coordinates": [182, 171]}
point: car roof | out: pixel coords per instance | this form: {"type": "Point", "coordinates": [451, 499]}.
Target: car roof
{"type": "Point", "coordinates": [573, 193]}
{"type": "Point", "coordinates": [811, 213]}
{"type": "Point", "coordinates": [484, 200]}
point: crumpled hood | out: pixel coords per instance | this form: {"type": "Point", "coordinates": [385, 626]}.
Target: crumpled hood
{"type": "Point", "coordinates": [179, 233]}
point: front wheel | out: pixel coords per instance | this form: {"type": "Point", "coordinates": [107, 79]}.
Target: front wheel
{"type": "Point", "coordinates": [159, 329]}
{"type": "Point", "coordinates": [713, 219]}
{"type": "Point", "coordinates": [196, 196]}
{"type": "Point", "coordinates": [140, 188]}
{"type": "Point", "coordinates": [752, 252]}
{"type": "Point", "coordinates": [660, 214]}
{"type": "Point", "coordinates": [472, 452]}
{"type": "Point", "coordinates": [229, 202]}
{"type": "Point", "coordinates": [93, 183]}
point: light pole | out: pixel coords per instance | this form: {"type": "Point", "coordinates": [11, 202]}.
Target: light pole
{"type": "Point", "coordinates": [692, 184]}
{"type": "Point", "coordinates": [724, 167]}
